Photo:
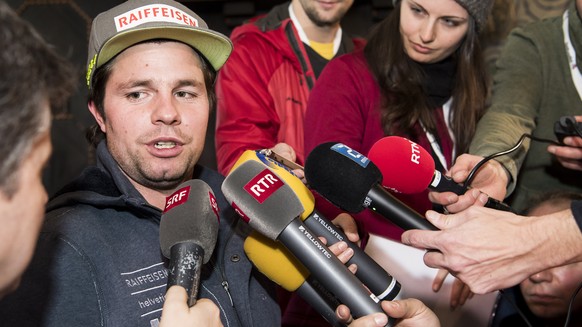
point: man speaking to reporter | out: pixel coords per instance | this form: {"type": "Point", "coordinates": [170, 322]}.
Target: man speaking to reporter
{"type": "Point", "coordinates": [151, 70]}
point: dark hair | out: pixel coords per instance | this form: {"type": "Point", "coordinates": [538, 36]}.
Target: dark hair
{"type": "Point", "coordinates": [404, 101]}
{"type": "Point", "coordinates": [97, 92]}
{"type": "Point", "coordinates": [31, 73]}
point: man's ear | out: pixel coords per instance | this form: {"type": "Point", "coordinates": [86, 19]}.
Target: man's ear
{"type": "Point", "coordinates": [98, 118]}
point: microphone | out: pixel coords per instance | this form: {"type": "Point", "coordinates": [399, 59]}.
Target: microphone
{"type": "Point", "coordinates": [273, 260]}
{"type": "Point", "coordinates": [351, 181]}
{"type": "Point", "coordinates": [188, 233]}
{"type": "Point", "coordinates": [380, 282]}
{"type": "Point", "coordinates": [409, 168]}
{"type": "Point", "coordinates": [271, 207]}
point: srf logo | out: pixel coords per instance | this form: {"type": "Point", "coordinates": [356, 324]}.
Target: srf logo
{"type": "Point", "coordinates": [244, 217]}
{"type": "Point", "coordinates": [177, 198]}
{"type": "Point", "coordinates": [263, 185]}
{"type": "Point", "coordinates": [213, 204]}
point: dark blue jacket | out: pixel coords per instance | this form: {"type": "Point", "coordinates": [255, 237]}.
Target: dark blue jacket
{"type": "Point", "coordinates": [98, 260]}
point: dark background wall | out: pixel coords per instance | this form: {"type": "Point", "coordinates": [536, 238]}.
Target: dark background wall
{"type": "Point", "coordinates": [66, 24]}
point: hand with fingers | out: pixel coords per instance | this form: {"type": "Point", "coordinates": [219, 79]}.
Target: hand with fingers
{"type": "Point", "coordinates": [408, 313]}
{"type": "Point", "coordinates": [490, 180]}
{"type": "Point", "coordinates": [490, 249]}
{"type": "Point", "coordinates": [176, 312]}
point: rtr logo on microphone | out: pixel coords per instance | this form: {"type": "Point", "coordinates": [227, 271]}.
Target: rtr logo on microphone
{"type": "Point", "coordinates": [263, 185]}
{"type": "Point", "coordinates": [414, 152]}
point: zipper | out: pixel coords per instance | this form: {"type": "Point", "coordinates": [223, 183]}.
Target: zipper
{"type": "Point", "coordinates": [220, 266]}
{"type": "Point", "coordinates": [225, 286]}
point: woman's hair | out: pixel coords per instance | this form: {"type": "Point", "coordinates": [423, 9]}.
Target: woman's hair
{"type": "Point", "coordinates": [97, 92]}
{"type": "Point", "coordinates": [404, 101]}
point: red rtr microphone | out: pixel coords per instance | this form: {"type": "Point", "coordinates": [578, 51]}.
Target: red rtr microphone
{"type": "Point", "coordinates": [351, 181]}
{"type": "Point", "coordinates": [408, 168]}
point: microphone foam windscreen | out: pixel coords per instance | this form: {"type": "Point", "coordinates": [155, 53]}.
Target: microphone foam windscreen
{"type": "Point", "coordinates": [406, 166]}
{"type": "Point", "coordinates": [301, 191]}
{"type": "Point", "coordinates": [261, 198]}
{"type": "Point", "coordinates": [190, 215]}
{"type": "Point", "coordinates": [341, 175]}
{"type": "Point", "coordinates": [273, 260]}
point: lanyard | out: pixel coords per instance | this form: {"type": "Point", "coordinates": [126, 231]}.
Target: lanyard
{"type": "Point", "coordinates": [433, 142]}
{"type": "Point", "coordinates": [571, 52]}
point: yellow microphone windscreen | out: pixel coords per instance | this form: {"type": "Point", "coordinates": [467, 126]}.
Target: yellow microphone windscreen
{"type": "Point", "coordinates": [273, 260]}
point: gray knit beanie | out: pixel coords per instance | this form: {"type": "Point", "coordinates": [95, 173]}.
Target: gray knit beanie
{"type": "Point", "coordinates": [478, 9]}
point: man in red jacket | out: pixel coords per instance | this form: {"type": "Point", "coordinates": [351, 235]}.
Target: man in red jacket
{"type": "Point", "coordinates": [263, 88]}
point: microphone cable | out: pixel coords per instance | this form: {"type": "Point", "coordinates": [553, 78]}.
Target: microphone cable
{"type": "Point", "coordinates": [572, 304]}
{"type": "Point", "coordinates": [504, 152]}
{"type": "Point", "coordinates": [516, 307]}
{"type": "Point", "coordinates": [522, 315]}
